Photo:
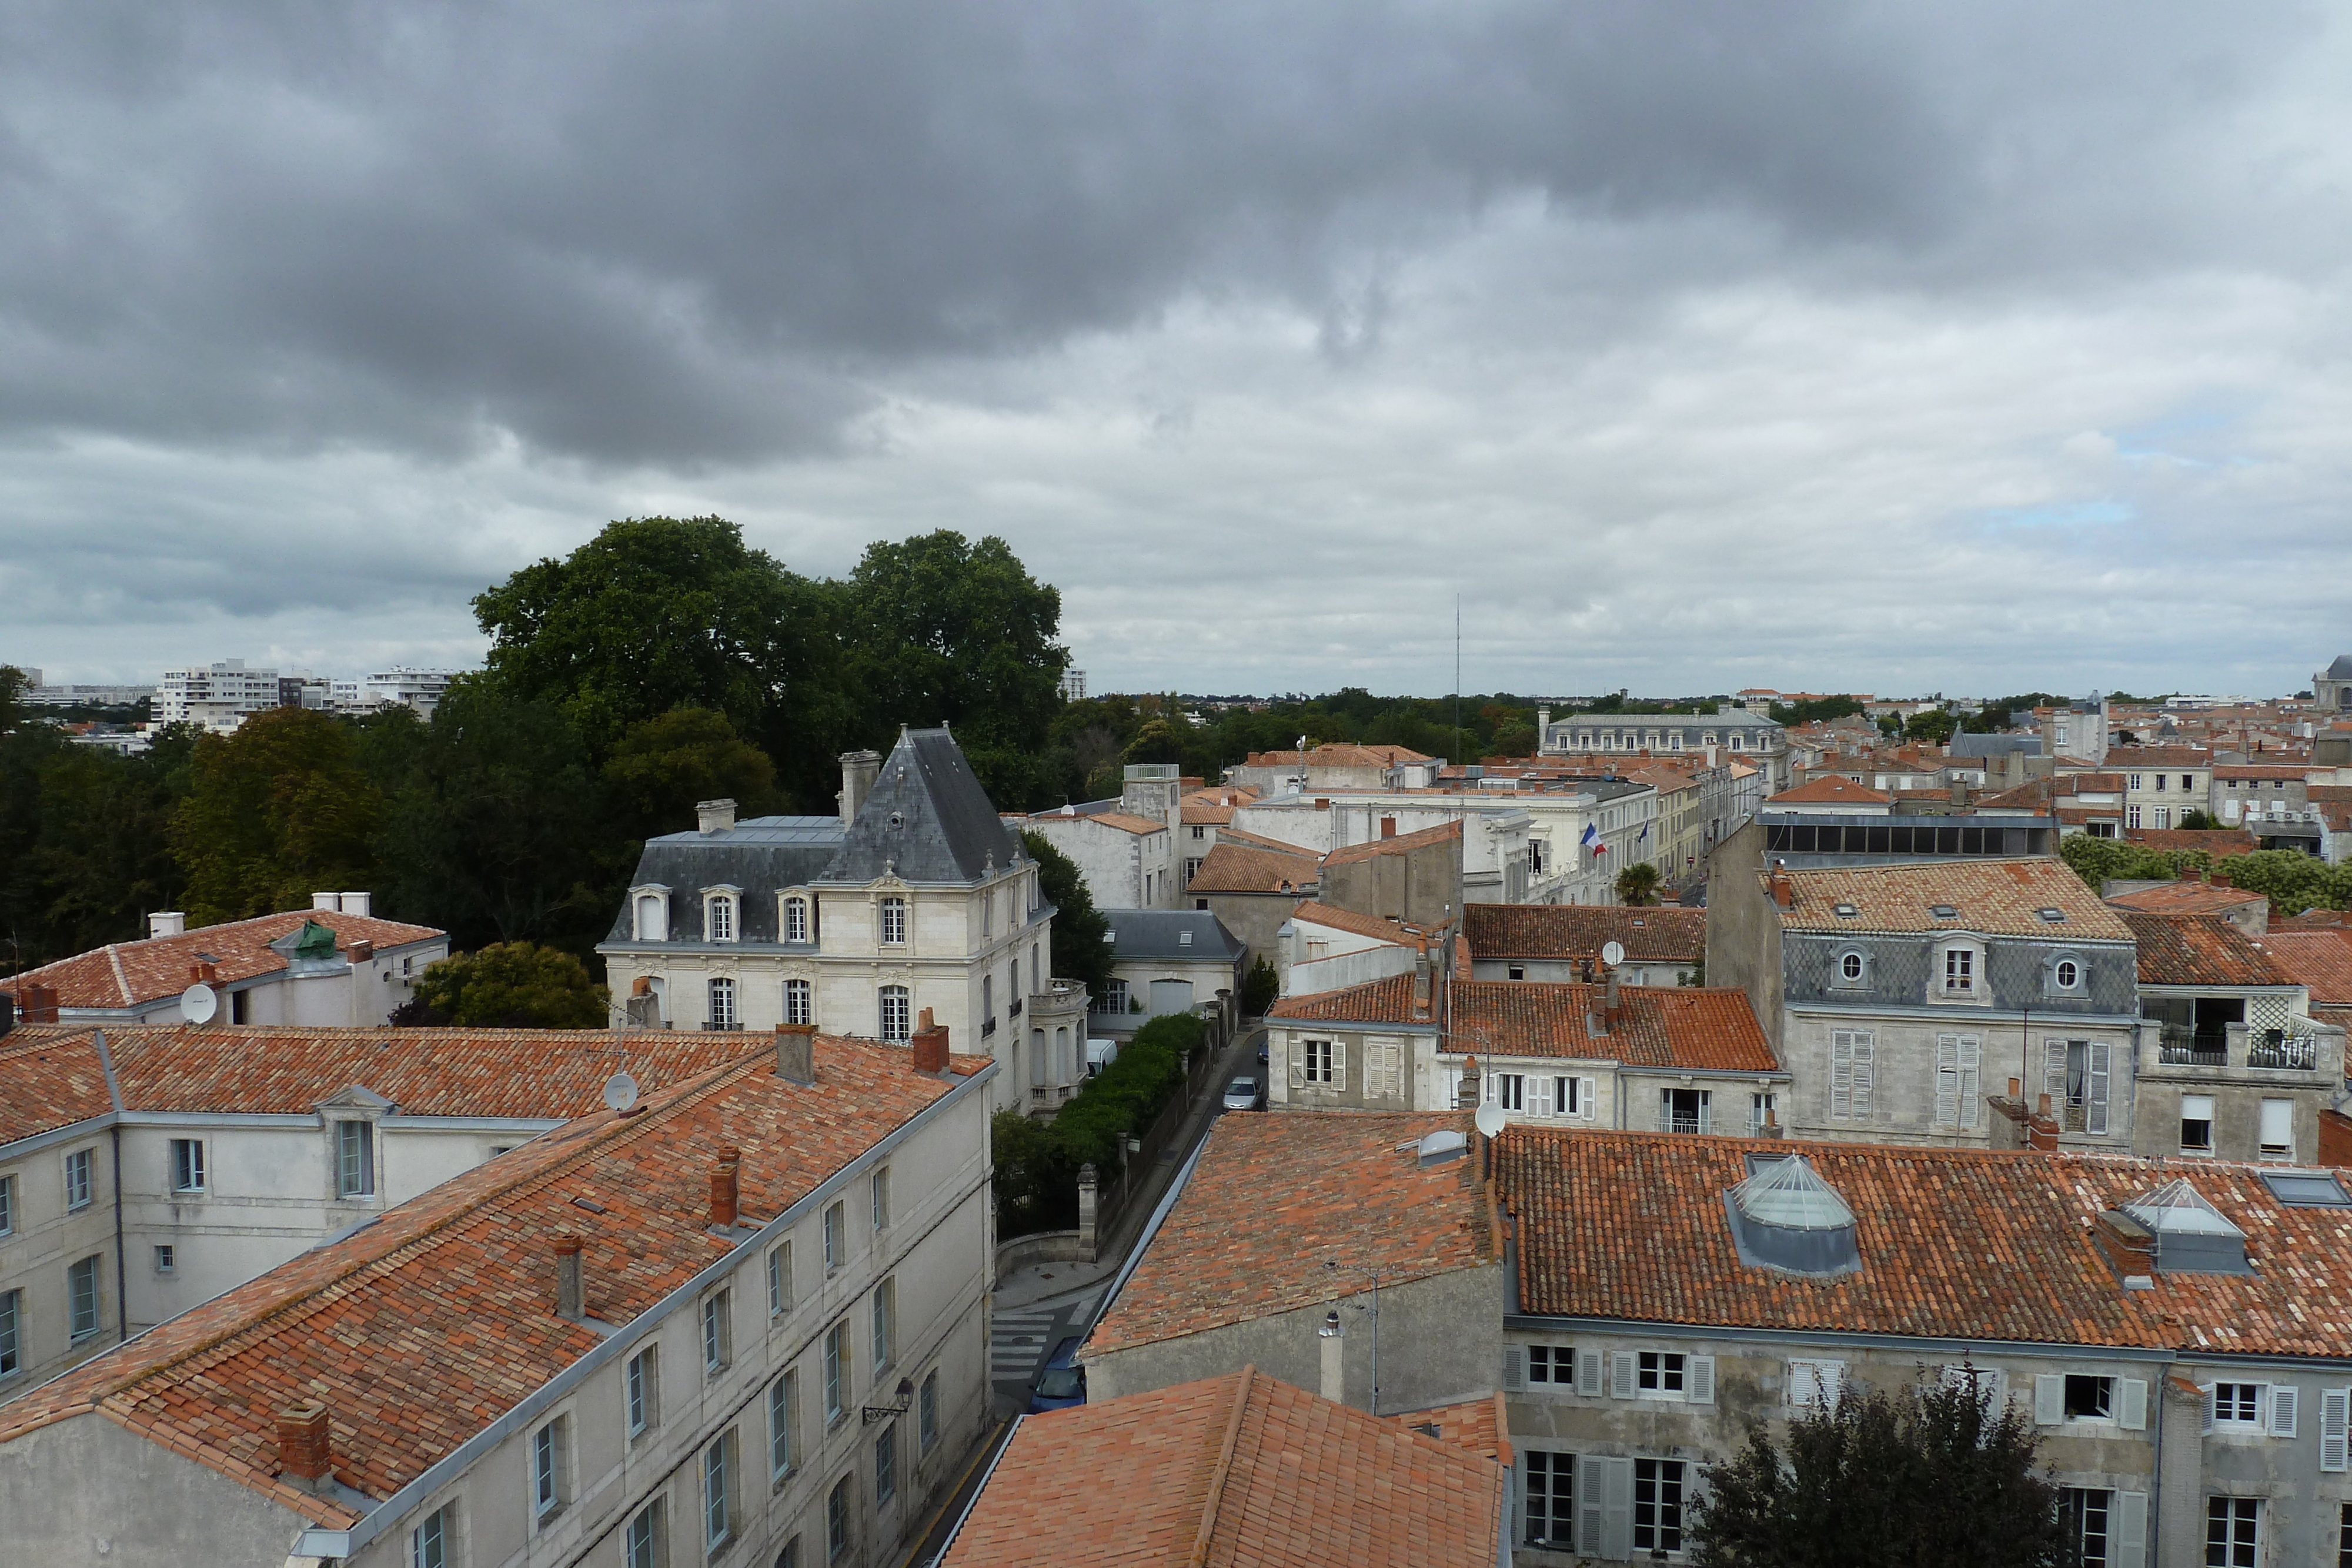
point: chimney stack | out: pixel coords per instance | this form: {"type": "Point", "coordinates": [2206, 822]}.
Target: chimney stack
{"type": "Point", "coordinates": [37, 1003]}
{"type": "Point", "coordinates": [714, 816]}
{"type": "Point", "coordinates": [571, 1301]}
{"type": "Point", "coordinates": [361, 951]}
{"type": "Point", "coordinates": [796, 1053]}
{"type": "Point", "coordinates": [1466, 1098]}
{"type": "Point", "coordinates": [2042, 1128]}
{"type": "Point", "coordinates": [722, 1188]}
{"type": "Point", "coordinates": [167, 922]}
{"type": "Point", "coordinates": [931, 1045]}
{"type": "Point", "coordinates": [331, 902]}
{"type": "Point", "coordinates": [1332, 1339]}
{"type": "Point", "coordinates": [305, 1447]}
{"type": "Point", "coordinates": [1421, 983]}
{"type": "Point", "coordinates": [1613, 1006]}
{"type": "Point", "coordinates": [205, 974]}
{"type": "Point", "coordinates": [1784, 886]}
{"type": "Point", "coordinates": [1772, 1128]}
{"type": "Point", "coordinates": [1388, 827]}
{"type": "Point", "coordinates": [859, 769]}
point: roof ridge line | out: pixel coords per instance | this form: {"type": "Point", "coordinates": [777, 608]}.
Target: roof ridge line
{"type": "Point", "coordinates": [121, 980]}
{"type": "Point", "coordinates": [1221, 1470]}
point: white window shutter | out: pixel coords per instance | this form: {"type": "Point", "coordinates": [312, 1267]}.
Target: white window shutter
{"type": "Point", "coordinates": [2054, 1071]}
{"type": "Point", "coordinates": [2095, 1119]}
{"type": "Point", "coordinates": [2130, 1530]}
{"type": "Point", "coordinates": [1297, 1052]}
{"type": "Point", "coordinates": [1699, 1384]}
{"type": "Point", "coordinates": [1864, 1051]}
{"type": "Point", "coordinates": [1617, 1511]}
{"type": "Point", "coordinates": [1339, 1064]}
{"type": "Point", "coordinates": [1538, 1094]}
{"type": "Point", "coordinates": [1587, 1097]}
{"type": "Point", "coordinates": [2133, 1416]}
{"type": "Point", "coordinates": [1587, 1373]}
{"type": "Point", "coordinates": [1622, 1368]}
{"type": "Point", "coordinates": [1840, 1074]}
{"type": "Point", "coordinates": [2050, 1399]}
{"type": "Point", "coordinates": [2283, 1398]}
{"type": "Point", "coordinates": [1589, 1485]}
{"type": "Point", "coordinates": [1514, 1368]}
{"type": "Point", "coordinates": [1947, 1080]}
{"type": "Point", "coordinates": [2207, 1390]}
{"type": "Point", "coordinates": [1972, 1079]}
{"type": "Point", "coordinates": [2335, 1427]}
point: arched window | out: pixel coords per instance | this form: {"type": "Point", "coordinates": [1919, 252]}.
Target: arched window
{"type": "Point", "coordinates": [799, 1006]}
{"type": "Point", "coordinates": [894, 920]}
{"type": "Point", "coordinates": [2066, 974]}
{"type": "Point", "coordinates": [653, 917]}
{"type": "Point", "coordinates": [1851, 966]}
{"type": "Point", "coordinates": [896, 1014]}
{"type": "Point", "coordinates": [797, 920]}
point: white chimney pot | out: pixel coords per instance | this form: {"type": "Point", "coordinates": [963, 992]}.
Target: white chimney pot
{"type": "Point", "coordinates": [167, 922]}
{"type": "Point", "coordinates": [356, 902]}
{"type": "Point", "coordinates": [327, 901]}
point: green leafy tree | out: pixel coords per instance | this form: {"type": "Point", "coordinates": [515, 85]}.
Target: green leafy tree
{"type": "Point", "coordinates": [275, 811]}
{"type": "Point", "coordinates": [2197, 821]}
{"type": "Point", "coordinates": [511, 984]}
{"type": "Point", "coordinates": [1516, 738]}
{"type": "Point", "coordinates": [657, 613]}
{"type": "Point", "coordinates": [104, 858]}
{"type": "Point", "coordinates": [2096, 861]}
{"type": "Point", "coordinates": [1638, 883]}
{"type": "Point", "coordinates": [1923, 1478]}
{"type": "Point", "coordinates": [1037, 1163]}
{"type": "Point", "coordinates": [1081, 936]}
{"type": "Point", "coordinates": [1260, 987]}
{"type": "Point", "coordinates": [1934, 727]}
{"type": "Point", "coordinates": [663, 766]}
{"type": "Point", "coordinates": [943, 629]}
{"type": "Point", "coordinates": [2293, 880]}
{"type": "Point", "coordinates": [1159, 740]}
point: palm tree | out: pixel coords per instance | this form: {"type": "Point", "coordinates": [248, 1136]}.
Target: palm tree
{"type": "Point", "coordinates": [1638, 883]}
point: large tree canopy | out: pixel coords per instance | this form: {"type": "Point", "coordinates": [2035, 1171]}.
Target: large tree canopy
{"type": "Point", "coordinates": [275, 812]}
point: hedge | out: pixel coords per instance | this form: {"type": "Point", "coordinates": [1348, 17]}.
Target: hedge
{"type": "Point", "coordinates": [1037, 1162]}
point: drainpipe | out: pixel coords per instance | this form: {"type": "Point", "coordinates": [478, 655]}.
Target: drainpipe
{"type": "Point", "coordinates": [114, 1142]}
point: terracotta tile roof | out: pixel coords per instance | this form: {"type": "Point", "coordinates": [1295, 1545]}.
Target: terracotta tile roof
{"type": "Point", "coordinates": [1209, 816]}
{"type": "Point", "coordinates": [1401, 843]}
{"type": "Point", "coordinates": [1706, 1028]}
{"type": "Point", "coordinates": [1251, 1234]}
{"type": "Point", "coordinates": [2314, 920]}
{"type": "Point", "coordinates": [2187, 896]}
{"type": "Point", "coordinates": [2200, 950]}
{"type": "Point", "coordinates": [1235, 1470]}
{"type": "Point", "coordinates": [2319, 960]}
{"type": "Point", "coordinates": [1996, 897]}
{"type": "Point", "coordinates": [1370, 926]}
{"type": "Point", "coordinates": [1263, 841]}
{"type": "Point", "coordinates": [1385, 1000]}
{"type": "Point", "coordinates": [1955, 1243]}
{"type": "Point", "coordinates": [2129, 758]}
{"type": "Point", "coordinates": [422, 1328]}
{"type": "Point", "coordinates": [2215, 841]}
{"type": "Point", "coordinates": [1128, 823]}
{"type": "Point", "coordinates": [1339, 755]}
{"type": "Point", "coordinates": [126, 974]}
{"type": "Point", "coordinates": [518, 1073]}
{"type": "Point", "coordinates": [1834, 790]}
{"type": "Point", "coordinates": [1481, 1425]}
{"type": "Point", "coordinates": [1231, 867]}
{"type": "Point", "coordinates": [2293, 771]}
{"type": "Point", "coordinates": [1577, 931]}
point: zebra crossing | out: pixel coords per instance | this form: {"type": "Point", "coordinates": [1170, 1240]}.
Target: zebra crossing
{"type": "Point", "coordinates": [1018, 1342]}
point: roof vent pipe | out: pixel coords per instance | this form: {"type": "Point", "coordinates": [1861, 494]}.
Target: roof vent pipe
{"type": "Point", "coordinates": [570, 1299]}
{"type": "Point", "coordinates": [723, 1188]}
{"type": "Point", "coordinates": [1332, 1339]}
{"type": "Point", "coordinates": [167, 922]}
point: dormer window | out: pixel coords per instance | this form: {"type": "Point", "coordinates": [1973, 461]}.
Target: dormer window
{"type": "Point", "coordinates": [893, 921]}
{"type": "Point", "coordinates": [649, 913]}
{"type": "Point", "coordinates": [1959, 971]}
{"type": "Point", "coordinates": [718, 916]}
{"type": "Point", "coordinates": [2066, 975]}
{"type": "Point", "coordinates": [796, 918]}
{"type": "Point", "coordinates": [1852, 967]}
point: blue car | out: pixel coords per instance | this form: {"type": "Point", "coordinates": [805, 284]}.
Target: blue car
{"type": "Point", "coordinates": [1063, 1382]}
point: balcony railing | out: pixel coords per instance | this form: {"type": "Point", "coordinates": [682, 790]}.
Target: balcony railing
{"type": "Point", "coordinates": [1014, 1010]}
{"type": "Point", "coordinates": [987, 1028]}
{"type": "Point", "coordinates": [2181, 1046]}
{"type": "Point", "coordinates": [2284, 1053]}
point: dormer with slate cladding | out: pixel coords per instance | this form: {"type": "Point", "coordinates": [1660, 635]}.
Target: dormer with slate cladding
{"type": "Point", "coordinates": [916, 897]}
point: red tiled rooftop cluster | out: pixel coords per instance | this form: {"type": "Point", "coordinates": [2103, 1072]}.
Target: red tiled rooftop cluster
{"type": "Point", "coordinates": [2199, 950]}
{"type": "Point", "coordinates": [126, 974]}
{"type": "Point", "coordinates": [1579, 931]}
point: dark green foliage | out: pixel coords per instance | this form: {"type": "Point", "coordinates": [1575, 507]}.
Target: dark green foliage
{"type": "Point", "coordinates": [1928, 1477]}
{"type": "Point", "coordinates": [1081, 950]}
{"type": "Point", "coordinates": [2197, 821]}
{"type": "Point", "coordinates": [1935, 726]}
{"type": "Point", "coordinates": [2004, 713]}
{"type": "Point", "coordinates": [274, 813]}
{"type": "Point", "coordinates": [1259, 988]}
{"type": "Point", "coordinates": [2292, 880]}
{"type": "Point", "coordinates": [1816, 710]}
{"type": "Point", "coordinates": [1037, 1163]}
{"type": "Point", "coordinates": [509, 984]}
{"type": "Point", "coordinates": [662, 766]}
{"type": "Point", "coordinates": [1638, 883]}
{"type": "Point", "coordinates": [2095, 861]}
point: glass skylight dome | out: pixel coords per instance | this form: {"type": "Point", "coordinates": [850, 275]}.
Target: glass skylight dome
{"type": "Point", "coordinates": [1786, 1217]}
{"type": "Point", "coordinates": [2193, 1237]}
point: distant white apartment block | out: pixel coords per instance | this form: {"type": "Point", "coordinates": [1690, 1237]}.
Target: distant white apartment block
{"type": "Point", "coordinates": [218, 697]}
{"type": "Point", "coordinates": [1073, 685]}
{"type": "Point", "coordinates": [418, 689]}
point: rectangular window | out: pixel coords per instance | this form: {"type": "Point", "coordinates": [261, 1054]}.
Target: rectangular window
{"type": "Point", "coordinates": [798, 1006]}
{"type": "Point", "coordinates": [2197, 1123]}
{"type": "Point", "coordinates": [1552, 1498]}
{"type": "Point", "coordinates": [898, 1025]}
{"type": "Point", "coordinates": [187, 1165]}
{"type": "Point", "coordinates": [166, 1259]}
{"type": "Point", "coordinates": [836, 1521]}
{"type": "Point", "coordinates": [1573, 1096]}
{"type": "Point", "coordinates": [2089, 1398]}
{"type": "Point", "coordinates": [886, 1466]}
{"type": "Point", "coordinates": [796, 925]}
{"type": "Point", "coordinates": [886, 1324]}
{"type": "Point", "coordinates": [790, 1557]}
{"type": "Point", "coordinates": [2238, 1405]}
{"type": "Point", "coordinates": [547, 1445]}
{"type": "Point", "coordinates": [7, 1204]}
{"type": "Point", "coordinates": [2084, 1510]}
{"type": "Point", "coordinates": [1815, 1383]}
{"type": "Point", "coordinates": [2163, 813]}
{"type": "Point", "coordinates": [1660, 1372]}
{"type": "Point", "coordinates": [836, 1238]}
{"type": "Point", "coordinates": [783, 1423]}
{"type": "Point", "coordinates": [2344, 1536]}
{"type": "Point", "coordinates": [78, 1179]}
{"type": "Point", "coordinates": [1657, 1505]}
{"type": "Point", "coordinates": [354, 1159]}
{"type": "Point", "coordinates": [429, 1543]}
{"type": "Point", "coordinates": [722, 1003]}
{"type": "Point", "coordinates": [926, 1411]}
{"type": "Point", "coordinates": [722, 919]}
{"type": "Point", "coordinates": [718, 1507]}
{"type": "Point", "coordinates": [894, 920]}
{"type": "Point", "coordinates": [836, 1373]}
{"type": "Point", "coordinates": [644, 1390]}
{"type": "Point", "coordinates": [1761, 1110]}
{"type": "Point", "coordinates": [2278, 1130]}
{"type": "Point", "coordinates": [2076, 1075]}
{"type": "Point", "coordinates": [2131, 813]}
{"type": "Point", "coordinates": [718, 1347]}
{"type": "Point", "coordinates": [1959, 970]}
{"type": "Point", "coordinates": [82, 1297]}
{"type": "Point", "coordinates": [1511, 1091]}
{"type": "Point", "coordinates": [645, 1543]}
{"type": "Point", "coordinates": [1959, 1079]}
{"type": "Point", "coordinates": [12, 1353]}
{"type": "Point", "coordinates": [1686, 1110]}
{"type": "Point", "coordinates": [880, 1183]}
{"type": "Point", "coordinates": [1853, 1060]}
{"type": "Point", "coordinates": [1191, 866]}
{"type": "Point", "coordinates": [2233, 1532]}
{"type": "Point", "coordinates": [1552, 1364]}
{"type": "Point", "coordinates": [1318, 1062]}
{"type": "Point", "coordinates": [780, 1279]}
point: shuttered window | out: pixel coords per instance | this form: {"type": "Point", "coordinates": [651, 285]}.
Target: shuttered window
{"type": "Point", "coordinates": [2075, 1075]}
{"type": "Point", "coordinates": [2335, 1427]}
{"type": "Point", "coordinates": [1815, 1383]}
{"type": "Point", "coordinates": [1959, 1079]}
{"type": "Point", "coordinates": [1549, 1505]}
{"type": "Point", "coordinates": [1852, 1058]}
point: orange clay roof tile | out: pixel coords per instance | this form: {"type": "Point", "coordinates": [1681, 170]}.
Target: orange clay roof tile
{"type": "Point", "coordinates": [126, 974]}
{"type": "Point", "coordinates": [2200, 950]}
{"type": "Point", "coordinates": [1995, 897]}
{"type": "Point", "coordinates": [1579, 931]}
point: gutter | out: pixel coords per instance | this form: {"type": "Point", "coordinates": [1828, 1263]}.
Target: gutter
{"type": "Point", "coordinates": [994, 1460]}
{"type": "Point", "coordinates": [1143, 1242]}
{"type": "Point", "coordinates": [114, 1138]}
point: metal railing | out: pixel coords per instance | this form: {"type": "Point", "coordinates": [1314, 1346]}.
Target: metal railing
{"type": "Point", "coordinates": [2281, 1052]}
{"type": "Point", "coordinates": [2180, 1045]}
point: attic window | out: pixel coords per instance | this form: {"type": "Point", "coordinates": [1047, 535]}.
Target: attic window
{"type": "Point", "coordinates": [1785, 1216]}
{"type": "Point", "coordinates": [1943, 911]}
{"type": "Point", "coordinates": [2191, 1235]}
{"type": "Point", "coordinates": [2053, 916]}
{"type": "Point", "coordinates": [897, 820]}
{"type": "Point", "coordinates": [2307, 1189]}
{"type": "Point", "coordinates": [1183, 939]}
{"type": "Point", "coordinates": [1847, 911]}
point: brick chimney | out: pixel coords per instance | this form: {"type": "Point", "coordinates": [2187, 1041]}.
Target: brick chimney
{"type": "Point", "coordinates": [1388, 827]}
{"type": "Point", "coordinates": [2042, 1128]}
{"type": "Point", "coordinates": [1772, 1128]}
{"type": "Point", "coordinates": [37, 1003]}
{"type": "Point", "coordinates": [723, 1187]}
{"type": "Point", "coordinates": [304, 1448]}
{"type": "Point", "coordinates": [360, 952]}
{"type": "Point", "coordinates": [1612, 1007]}
{"type": "Point", "coordinates": [2128, 1246]}
{"type": "Point", "coordinates": [571, 1301]}
{"type": "Point", "coordinates": [796, 1053]}
{"type": "Point", "coordinates": [2222, 879]}
{"type": "Point", "coordinates": [1466, 1098]}
{"type": "Point", "coordinates": [1420, 984]}
{"type": "Point", "coordinates": [205, 974]}
{"type": "Point", "coordinates": [931, 1045]}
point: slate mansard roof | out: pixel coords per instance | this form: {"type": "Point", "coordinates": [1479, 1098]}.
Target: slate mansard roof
{"type": "Point", "coordinates": [1144, 935]}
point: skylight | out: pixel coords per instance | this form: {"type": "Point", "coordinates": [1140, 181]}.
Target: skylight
{"type": "Point", "coordinates": [2307, 1189]}
{"type": "Point", "coordinates": [2193, 1237]}
{"type": "Point", "coordinates": [2055, 916]}
{"type": "Point", "coordinates": [1943, 911]}
{"type": "Point", "coordinates": [1847, 911]}
{"type": "Point", "coordinates": [1786, 1217]}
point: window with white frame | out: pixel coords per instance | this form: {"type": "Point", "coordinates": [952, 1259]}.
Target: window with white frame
{"type": "Point", "coordinates": [1551, 1494]}
{"type": "Point", "coordinates": [81, 1298]}
{"type": "Point", "coordinates": [78, 1180]}
{"type": "Point", "coordinates": [7, 1204]}
{"type": "Point", "coordinates": [719, 1491]}
{"type": "Point", "coordinates": [717, 1331]}
{"type": "Point", "coordinates": [780, 1279]}
{"type": "Point", "coordinates": [2066, 974]}
{"type": "Point", "coordinates": [1686, 1111]}
{"type": "Point", "coordinates": [1762, 1112]}
{"type": "Point", "coordinates": [1318, 1061]}
{"type": "Point", "coordinates": [784, 1425]}
{"type": "Point", "coordinates": [2077, 1076]}
{"type": "Point", "coordinates": [2233, 1532]}
{"type": "Point", "coordinates": [433, 1543]}
{"type": "Point", "coordinates": [1852, 965]}
{"type": "Point", "coordinates": [1959, 1086]}
{"type": "Point", "coordinates": [884, 1311]}
{"type": "Point", "coordinates": [722, 1003]}
{"type": "Point", "coordinates": [796, 919]}
{"type": "Point", "coordinates": [2238, 1405]}
{"type": "Point", "coordinates": [1552, 1365]}
{"type": "Point", "coordinates": [2277, 1130]}
{"type": "Point", "coordinates": [652, 916]}
{"type": "Point", "coordinates": [1959, 971]}
{"type": "Point", "coordinates": [641, 1391]}
{"type": "Point", "coordinates": [1815, 1383]}
{"type": "Point", "coordinates": [894, 920]}
{"type": "Point", "coordinates": [1661, 1372]}
{"type": "Point", "coordinates": [2088, 1515]}
{"type": "Point", "coordinates": [2196, 1124]}
{"type": "Point", "coordinates": [800, 1004]}
{"type": "Point", "coordinates": [1658, 1502]}
{"type": "Point", "coordinates": [355, 1159]}
{"type": "Point", "coordinates": [897, 1017]}
{"type": "Point", "coordinates": [187, 1165]}
{"type": "Point", "coordinates": [1574, 1097]}
{"type": "Point", "coordinates": [550, 1459]}
{"type": "Point", "coordinates": [719, 917]}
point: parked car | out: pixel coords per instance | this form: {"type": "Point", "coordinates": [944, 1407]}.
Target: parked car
{"type": "Point", "coordinates": [1246, 1094]}
{"type": "Point", "coordinates": [1261, 1052]}
{"type": "Point", "coordinates": [1063, 1382]}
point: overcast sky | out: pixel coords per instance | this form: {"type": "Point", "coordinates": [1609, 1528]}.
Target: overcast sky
{"type": "Point", "coordinates": [1693, 346]}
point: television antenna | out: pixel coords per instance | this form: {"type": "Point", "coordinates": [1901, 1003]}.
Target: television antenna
{"type": "Point", "coordinates": [198, 1003]}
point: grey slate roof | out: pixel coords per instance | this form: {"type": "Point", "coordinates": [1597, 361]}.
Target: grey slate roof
{"type": "Point", "coordinates": [1967, 744]}
{"type": "Point", "coordinates": [927, 818]}
{"type": "Point", "coordinates": [2341, 669]}
{"type": "Point", "coordinates": [1155, 933]}
{"type": "Point", "coordinates": [761, 855]}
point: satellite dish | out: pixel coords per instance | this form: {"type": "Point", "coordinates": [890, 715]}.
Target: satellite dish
{"type": "Point", "coordinates": [1490, 1118]}
{"type": "Point", "coordinates": [621, 1093]}
{"type": "Point", "coordinates": [1613, 954]}
{"type": "Point", "coordinates": [198, 1003]}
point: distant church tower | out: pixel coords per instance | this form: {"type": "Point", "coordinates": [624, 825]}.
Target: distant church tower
{"type": "Point", "coordinates": [2332, 687]}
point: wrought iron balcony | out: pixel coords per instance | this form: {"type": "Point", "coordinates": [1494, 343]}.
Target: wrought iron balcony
{"type": "Point", "coordinates": [2181, 1046]}
{"type": "Point", "coordinates": [2281, 1052]}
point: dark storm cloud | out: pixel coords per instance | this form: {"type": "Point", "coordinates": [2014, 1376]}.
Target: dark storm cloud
{"type": "Point", "coordinates": [686, 234]}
